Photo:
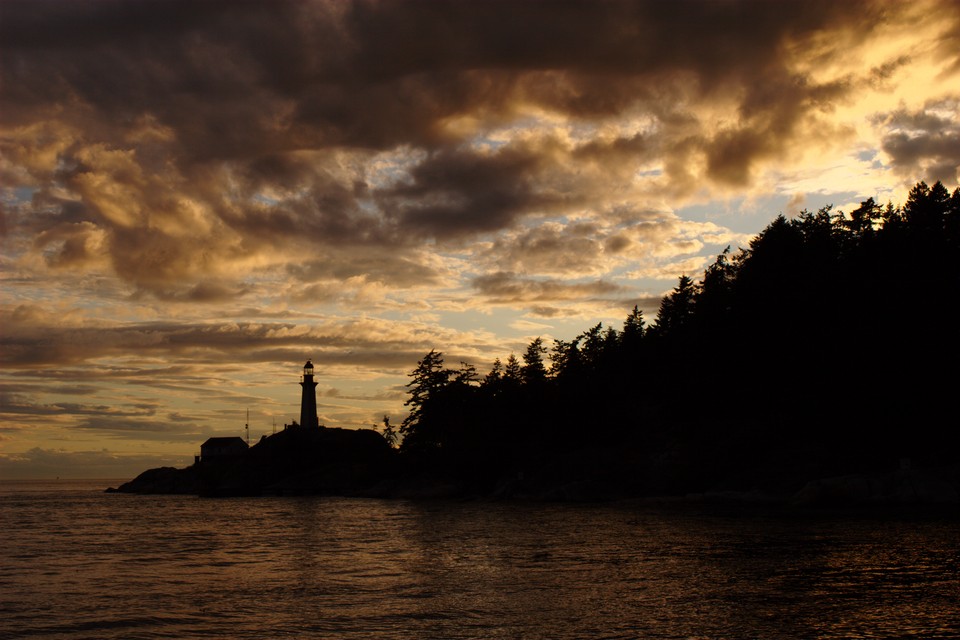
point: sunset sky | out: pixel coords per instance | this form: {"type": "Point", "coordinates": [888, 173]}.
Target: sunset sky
{"type": "Point", "coordinates": [196, 197]}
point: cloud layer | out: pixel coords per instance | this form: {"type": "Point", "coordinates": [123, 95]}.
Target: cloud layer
{"type": "Point", "coordinates": [190, 184]}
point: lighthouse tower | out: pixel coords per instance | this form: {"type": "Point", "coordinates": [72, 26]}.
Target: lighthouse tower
{"type": "Point", "coordinates": [308, 400]}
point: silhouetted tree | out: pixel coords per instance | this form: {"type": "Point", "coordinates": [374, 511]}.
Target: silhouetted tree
{"type": "Point", "coordinates": [794, 331]}
{"type": "Point", "coordinates": [389, 433]}
{"type": "Point", "coordinates": [715, 299]}
{"type": "Point", "coordinates": [677, 308]}
{"type": "Point", "coordinates": [420, 427]}
{"type": "Point", "coordinates": [633, 326]}
{"type": "Point", "coordinates": [467, 374]}
{"type": "Point", "coordinates": [512, 371]}
{"type": "Point", "coordinates": [925, 207]}
{"type": "Point", "coordinates": [534, 371]}
{"type": "Point", "coordinates": [564, 358]}
{"type": "Point", "coordinates": [951, 222]}
{"type": "Point", "coordinates": [864, 218]}
{"type": "Point", "coordinates": [493, 378]}
{"type": "Point", "coordinates": [629, 354]}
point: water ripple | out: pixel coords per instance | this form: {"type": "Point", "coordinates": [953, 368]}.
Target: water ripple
{"type": "Point", "coordinates": [83, 564]}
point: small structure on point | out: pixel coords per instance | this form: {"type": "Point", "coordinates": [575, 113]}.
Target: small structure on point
{"type": "Point", "coordinates": [308, 399]}
{"type": "Point", "coordinates": [220, 448]}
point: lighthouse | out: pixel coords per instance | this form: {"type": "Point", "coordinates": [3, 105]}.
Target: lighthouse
{"type": "Point", "coordinates": [308, 400]}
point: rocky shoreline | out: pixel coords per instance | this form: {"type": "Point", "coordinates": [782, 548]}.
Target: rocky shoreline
{"type": "Point", "coordinates": [358, 463]}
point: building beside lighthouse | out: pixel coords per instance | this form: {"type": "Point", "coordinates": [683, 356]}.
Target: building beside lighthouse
{"type": "Point", "coordinates": [308, 398]}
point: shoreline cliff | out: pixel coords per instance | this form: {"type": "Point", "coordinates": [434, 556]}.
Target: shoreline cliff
{"type": "Point", "coordinates": [358, 463]}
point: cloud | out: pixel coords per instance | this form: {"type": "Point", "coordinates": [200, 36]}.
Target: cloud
{"type": "Point", "coordinates": [530, 326]}
{"type": "Point", "coordinates": [457, 192]}
{"type": "Point", "coordinates": [12, 406]}
{"type": "Point", "coordinates": [403, 269]}
{"type": "Point", "coordinates": [508, 288]}
{"type": "Point", "coordinates": [134, 421]}
{"type": "Point", "coordinates": [204, 153]}
{"type": "Point", "coordinates": [194, 193]}
{"type": "Point", "coordinates": [196, 144]}
{"type": "Point", "coordinates": [119, 427]}
{"type": "Point", "coordinates": [34, 339]}
{"type": "Point", "coordinates": [925, 142]}
{"type": "Point", "coordinates": [173, 86]}
{"type": "Point", "coordinates": [553, 249]}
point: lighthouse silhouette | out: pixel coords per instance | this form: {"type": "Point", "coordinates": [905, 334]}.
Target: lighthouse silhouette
{"type": "Point", "coordinates": [308, 399]}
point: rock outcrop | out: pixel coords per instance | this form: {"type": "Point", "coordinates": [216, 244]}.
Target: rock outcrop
{"type": "Point", "coordinates": [927, 486]}
{"type": "Point", "coordinates": [296, 461]}
{"type": "Point", "coordinates": [168, 480]}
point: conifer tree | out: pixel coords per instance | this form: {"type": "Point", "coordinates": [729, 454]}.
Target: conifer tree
{"type": "Point", "coordinates": [534, 371]}
{"type": "Point", "coordinates": [495, 375]}
{"type": "Point", "coordinates": [512, 372]}
{"type": "Point", "coordinates": [428, 380]}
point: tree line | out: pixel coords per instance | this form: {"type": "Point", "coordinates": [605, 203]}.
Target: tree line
{"type": "Point", "coordinates": [828, 345]}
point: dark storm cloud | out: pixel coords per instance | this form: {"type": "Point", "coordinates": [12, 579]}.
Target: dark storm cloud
{"type": "Point", "coordinates": [184, 145]}
{"type": "Point", "coordinates": [457, 192]}
{"type": "Point", "coordinates": [244, 80]}
{"type": "Point", "coordinates": [773, 113]}
{"type": "Point", "coordinates": [925, 142]}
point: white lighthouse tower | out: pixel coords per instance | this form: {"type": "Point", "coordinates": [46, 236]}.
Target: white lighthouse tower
{"type": "Point", "coordinates": [308, 399]}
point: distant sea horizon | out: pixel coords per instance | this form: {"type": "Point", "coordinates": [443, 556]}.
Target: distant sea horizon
{"type": "Point", "coordinates": [76, 484]}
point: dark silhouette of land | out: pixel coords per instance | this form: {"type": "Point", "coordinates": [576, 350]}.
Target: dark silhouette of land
{"type": "Point", "coordinates": [819, 363]}
{"type": "Point", "coordinates": [298, 460]}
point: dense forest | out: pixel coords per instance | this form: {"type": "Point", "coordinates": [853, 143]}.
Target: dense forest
{"type": "Point", "coordinates": [827, 346]}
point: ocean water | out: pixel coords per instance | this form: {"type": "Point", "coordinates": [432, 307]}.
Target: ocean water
{"type": "Point", "coordinates": [78, 563]}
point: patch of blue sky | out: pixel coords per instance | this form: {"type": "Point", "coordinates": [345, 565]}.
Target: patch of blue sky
{"type": "Point", "coordinates": [623, 127]}
{"type": "Point", "coordinates": [870, 158]}
{"type": "Point", "coordinates": [816, 201]}
{"type": "Point", "coordinates": [17, 195]}
{"type": "Point", "coordinates": [649, 173]}
{"type": "Point", "coordinates": [543, 125]}
{"type": "Point", "coordinates": [262, 198]}
{"type": "Point", "coordinates": [752, 215]}
{"type": "Point", "coordinates": [493, 139]}
{"type": "Point", "coordinates": [368, 206]}
{"type": "Point", "coordinates": [393, 167]}
{"type": "Point", "coordinates": [489, 141]}
{"type": "Point", "coordinates": [733, 214]}
{"type": "Point", "coordinates": [512, 327]}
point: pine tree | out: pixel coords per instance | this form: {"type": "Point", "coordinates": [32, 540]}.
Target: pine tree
{"type": "Point", "coordinates": [512, 370]}
{"type": "Point", "coordinates": [495, 375]}
{"type": "Point", "coordinates": [429, 379]}
{"type": "Point", "coordinates": [533, 370]}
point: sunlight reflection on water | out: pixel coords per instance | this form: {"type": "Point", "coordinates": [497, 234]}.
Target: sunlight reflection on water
{"type": "Point", "coordinates": [87, 564]}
